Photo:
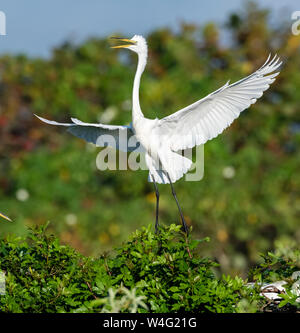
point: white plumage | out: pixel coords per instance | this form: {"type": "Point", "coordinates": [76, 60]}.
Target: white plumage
{"type": "Point", "coordinates": [160, 139]}
{"type": "Point", "coordinates": [186, 128]}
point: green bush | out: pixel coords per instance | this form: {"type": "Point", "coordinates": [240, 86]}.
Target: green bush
{"type": "Point", "coordinates": [149, 273]}
{"type": "Point", "coordinates": [42, 275]}
{"type": "Point", "coordinates": [281, 266]}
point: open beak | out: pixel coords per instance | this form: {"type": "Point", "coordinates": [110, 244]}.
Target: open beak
{"type": "Point", "coordinates": [5, 217]}
{"type": "Point", "coordinates": [131, 42]}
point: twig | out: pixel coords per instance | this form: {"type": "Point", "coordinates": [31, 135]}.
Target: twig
{"type": "Point", "coordinates": [91, 290]}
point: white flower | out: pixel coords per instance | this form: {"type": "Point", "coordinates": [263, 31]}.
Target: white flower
{"type": "Point", "coordinates": [71, 219]}
{"type": "Point", "coordinates": [228, 172]}
{"type": "Point", "coordinates": [90, 147]}
{"type": "Point", "coordinates": [108, 115]}
{"type": "Point", "coordinates": [22, 194]}
{"type": "Point", "coordinates": [127, 105]}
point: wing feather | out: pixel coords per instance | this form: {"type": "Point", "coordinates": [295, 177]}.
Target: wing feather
{"type": "Point", "coordinates": [208, 117]}
{"type": "Point", "coordinates": [101, 135]}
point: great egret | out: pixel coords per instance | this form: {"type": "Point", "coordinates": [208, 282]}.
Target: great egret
{"type": "Point", "coordinates": [161, 139]}
{"type": "Point", "coordinates": [5, 217]}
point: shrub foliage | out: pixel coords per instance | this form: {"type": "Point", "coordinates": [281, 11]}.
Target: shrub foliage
{"type": "Point", "coordinates": [149, 273]}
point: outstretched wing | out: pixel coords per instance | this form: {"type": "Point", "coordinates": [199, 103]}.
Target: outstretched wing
{"type": "Point", "coordinates": [208, 117]}
{"type": "Point", "coordinates": [118, 137]}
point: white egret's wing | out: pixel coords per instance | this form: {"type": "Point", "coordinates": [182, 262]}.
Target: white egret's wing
{"type": "Point", "coordinates": [208, 117]}
{"type": "Point", "coordinates": [118, 137]}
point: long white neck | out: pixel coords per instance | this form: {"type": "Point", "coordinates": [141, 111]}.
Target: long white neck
{"type": "Point", "coordinates": [136, 109]}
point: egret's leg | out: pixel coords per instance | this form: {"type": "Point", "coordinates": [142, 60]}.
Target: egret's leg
{"type": "Point", "coordinates": [157, 204]}
{"type": "Point", "coordinates": [185, 227]}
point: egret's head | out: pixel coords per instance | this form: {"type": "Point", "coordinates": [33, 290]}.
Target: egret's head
{"type": "Point", "coordinates": [137, 44]}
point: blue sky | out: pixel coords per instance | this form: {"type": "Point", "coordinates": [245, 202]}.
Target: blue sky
{"type": "Point", "coordinates": [34, 27]}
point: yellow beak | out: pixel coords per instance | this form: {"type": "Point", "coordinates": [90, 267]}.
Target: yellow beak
{"type": "Point", "coordinates": [5, 217]}
{"type": "Point", "coordinates": [131, 42]}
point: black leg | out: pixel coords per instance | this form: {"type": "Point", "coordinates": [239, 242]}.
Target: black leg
{"type": "Point", "coordinates": [185, 227]}
{"type": "Point", "coordinates": [157, 205]}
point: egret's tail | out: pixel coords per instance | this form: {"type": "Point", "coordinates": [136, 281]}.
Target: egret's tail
{"type": "Point", "coordinates": [170, 163]}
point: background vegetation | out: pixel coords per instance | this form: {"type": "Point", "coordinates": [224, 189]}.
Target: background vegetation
{"type": "Point", "coordinates": [248, 201]}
